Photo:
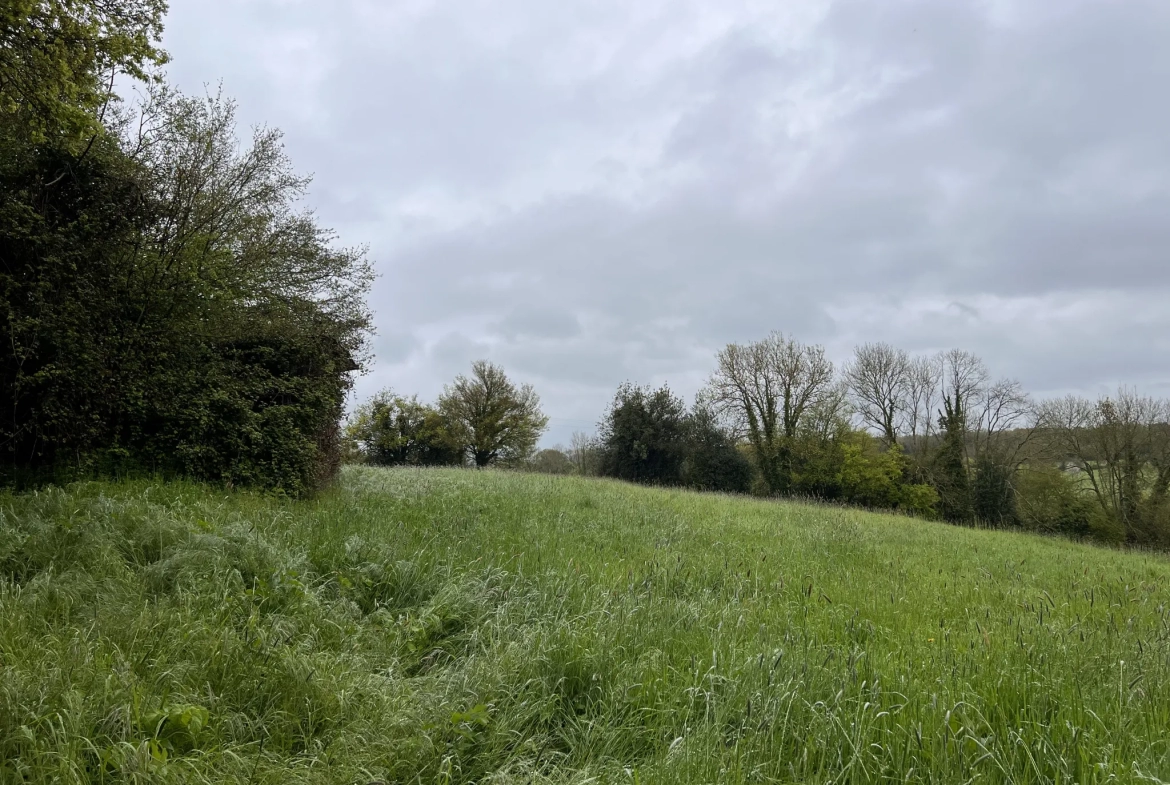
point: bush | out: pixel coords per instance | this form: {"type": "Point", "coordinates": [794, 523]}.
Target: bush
{"type": "Point", "coordinates": [713, 460]}
{"type": "Point", "coordinates": [551, 461]}
{"type": "Point", "coordinates": [644, 436]}
{"type": "Point", "coordinates": [1051, 502]}
{"type": "Point", "coordinates": [391, 430]}
{"type": "Point", "coordinates": [876, 478]}
{"type": "Point", "coordinates": [167, 307]}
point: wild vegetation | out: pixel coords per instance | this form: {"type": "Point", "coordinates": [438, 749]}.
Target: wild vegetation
{"type": "Point", "coordinates": [168, 306]}
{"type": "Point", "coordinates": [934, 436]}
{"type": "Point", "coordinates": [482, 420]}
{"type": "Point", "coordinates": [441, 625]}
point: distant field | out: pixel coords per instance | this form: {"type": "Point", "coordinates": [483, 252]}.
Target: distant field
{"type": "Point", "coordinates": [455, 626]}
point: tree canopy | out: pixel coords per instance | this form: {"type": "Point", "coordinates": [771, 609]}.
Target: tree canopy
{"type": "Point", "coordinates": [492, 418]}
{"type": "Point", "coordinates": [168, 306]}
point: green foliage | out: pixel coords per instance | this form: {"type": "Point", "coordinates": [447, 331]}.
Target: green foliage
{"type": "Point", "coordinates": [58, 61]}
{"type": "Point", "coordinates": [391, 430]}
{"type": "Point", "coordinates": [648, 436]}
{"type": "Point", "coordinates": [490, 417]}
{"type": "Point", "coordinates": [950, 465]}
{"type": "Point", "coordinates": [551, 461]}
{"type": "Point", "coordinates": [1052, 501]}
{"type": "Point", "coordinates": [714, 462]}
{"type": "Point", "coordinates": [168, 307]}
{"type": "Point", "coordinates": [460, 627]}
{"type": "Point", "coordinates": [877, 478]}
{"type": "Point", "coordinates": [643, 436]}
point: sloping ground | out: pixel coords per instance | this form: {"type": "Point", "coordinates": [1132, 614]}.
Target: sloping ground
{"type": "Point", "coordinates": [451, 626]}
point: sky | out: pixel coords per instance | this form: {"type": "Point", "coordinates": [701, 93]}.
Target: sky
{"type": "Point", "coordinates": [589, 192]}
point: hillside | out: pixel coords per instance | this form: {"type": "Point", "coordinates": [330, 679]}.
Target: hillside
{"type": "Point", "coordinates": [457, 626]}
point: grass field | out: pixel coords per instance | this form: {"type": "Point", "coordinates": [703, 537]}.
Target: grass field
{"type": "Point", "coordinates": [454, 626]}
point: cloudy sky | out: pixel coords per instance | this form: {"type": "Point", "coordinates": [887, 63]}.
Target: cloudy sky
{"type": "Point", "coordinates": [594, 191]}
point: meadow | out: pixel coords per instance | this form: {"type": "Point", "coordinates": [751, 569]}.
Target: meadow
{"type": "Point", "coordinates": [454, 626]}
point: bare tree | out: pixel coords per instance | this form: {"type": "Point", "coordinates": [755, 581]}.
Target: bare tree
{"type": "Point", "coordinates": [829, 415]}
{"type": "Point", "coordinates": [996, 410]}
{"type": "Point", "coordinates": [767, 387]}
{"type": "Point", "coordinates": [964, 378]}
{"type": "Point", "coordinates": [923, 390]}
{"type": "Point", "coordinates": [1122, 446]}
{"type": "Point", "coordinates": [878, 380]}
{"type": "Point", "coordinates": [583, 452]}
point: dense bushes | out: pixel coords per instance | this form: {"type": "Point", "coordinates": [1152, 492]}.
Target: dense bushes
{"type": "Point", "coordinates": [391, 430]}
{"type": "Point", "coordinates": [1051, 501]}
{"type": "Point", "coordinates": [714, 460]}
{"type": "Point", "coordinates": [483, 419]}
{"type": "Point", "coordinates": [649, 436]}
{"type": "Point", "coordinates": [167, 307]}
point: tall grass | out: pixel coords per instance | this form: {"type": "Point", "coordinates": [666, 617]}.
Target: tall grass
{"type": "Point", "coordinates": [451, 626]}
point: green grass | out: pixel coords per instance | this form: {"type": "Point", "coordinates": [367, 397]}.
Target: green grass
{"type": "Point", "coordinates": [455, 626]}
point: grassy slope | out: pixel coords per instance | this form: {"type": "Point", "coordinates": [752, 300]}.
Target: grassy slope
{"type": "Point", "coordinates": [448, 626]}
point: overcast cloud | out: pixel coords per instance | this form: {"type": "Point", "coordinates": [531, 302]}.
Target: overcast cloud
{"type": "Point", "coordinates": [588, 191]}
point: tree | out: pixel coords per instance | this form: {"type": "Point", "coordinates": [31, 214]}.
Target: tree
{"type": "Point", "coordinates": [923, 385]}
{"type": "Point", "coordinates": [585, 453]}
{"type": "Point", "coordinates": [713, 459]}
{"type": "Point", "coordinates": [878, 380]}
{"type": "Point", "coordinates": [766, 388]}
{"type": "Point", "coordinates": [643, 436]}
{"type": "Point", "coordinates": [492, 418]}
{"type": "Point", "coordinates": [964, 377]}
{"type": "Point", "coordinates": [1002, 428]}
{"type": "Point", "coordinates": [950, 462]}
{"type": "Point", "coordinates": [391, 430]}
{"type": "Point", "coordinates": [59, 61]}
{"type": "Point", "coordinates": [1121, 445]}
{"type": "Point", "coordinates": [551, 461]}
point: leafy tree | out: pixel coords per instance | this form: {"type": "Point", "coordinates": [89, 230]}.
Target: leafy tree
{"type": "Point", "coordinates": [168, 308]}
{"type": "Point", "coordinates": [950, 464]}
{"type": "Point", "coordinates": [491, 418]}
{"type": "Point", "coordinates": [59, 60]}
{"type": "Point", "coordinates": [713, 460]}
{"type": "Point", "coordinates": [643, 436]}
{"type": "Point", "coordinates": [391, 430]}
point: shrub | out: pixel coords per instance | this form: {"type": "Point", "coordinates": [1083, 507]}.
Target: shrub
{"type": "Point", "coordinates": [392, 430]}
{"type": "Point", "coordinates": [713, 460]}
{"type": "Point", "coordinates": [644, 436]}
{"type": "Point", "coordinates": [551, 461]}
{"type": "Point", "coordinates": [1050, 501]}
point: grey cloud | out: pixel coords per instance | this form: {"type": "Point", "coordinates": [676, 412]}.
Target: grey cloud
{"type": "Point", "coordinates": [591, 192]}
{"type": "Point", "coordinates": [395, 347]}
{"type": "Point", "coordinates": [538, 323]}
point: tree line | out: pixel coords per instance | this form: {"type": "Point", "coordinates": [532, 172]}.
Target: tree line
{"type": "Point", "coordinates": [168, 307]}
{"type": "Point", "coordinates": [933, 435]}
{"type": "Point", "coordinates": [480, 420]}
